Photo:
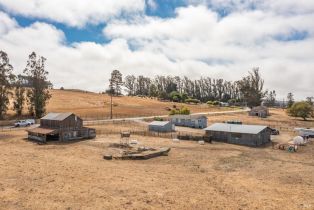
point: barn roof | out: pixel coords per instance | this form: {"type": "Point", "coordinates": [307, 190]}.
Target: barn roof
{"type": "Point", "coordinates": [182, 116]}
{"type": "Point", "coordinates": [39, 130]}
{"type": "Point", "coordinates": [159, 123]}
{"type": "Point", "coordinates": [235, 128]}
{"type": "Point", "coordinates": [57, 116]}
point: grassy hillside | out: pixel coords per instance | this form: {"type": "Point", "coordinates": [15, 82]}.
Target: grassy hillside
{"type": "Point", "coordinates": [94, 105]}
{"type": "Point", "coordinates": [91, 105]}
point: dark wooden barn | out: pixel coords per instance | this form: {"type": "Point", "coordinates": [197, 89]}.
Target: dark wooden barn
{"type": "Point", "coordinates": [62, 127]}
{"type": "Point", "coordinates": [259, 111]}
{"type": "Point", "coordinates": [249, 135]}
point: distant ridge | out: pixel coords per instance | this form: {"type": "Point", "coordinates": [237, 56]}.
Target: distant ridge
{"type": "Point", "coordinates": [77, 90]}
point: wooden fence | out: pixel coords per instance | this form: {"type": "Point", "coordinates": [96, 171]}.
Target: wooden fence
{"type": "Point", "coordinates": [170, 135]}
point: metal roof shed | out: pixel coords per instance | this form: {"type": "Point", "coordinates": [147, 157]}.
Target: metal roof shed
{"type": "Point", "coordinates": [161, 126]}
{"type": "Point", "coordinates": [250, 135]}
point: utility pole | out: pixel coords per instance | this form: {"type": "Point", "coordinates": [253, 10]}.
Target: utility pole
{"type": "Point", "coordinates": [111, 92]}
{"type": "Point", "coordinates": [110, 105]}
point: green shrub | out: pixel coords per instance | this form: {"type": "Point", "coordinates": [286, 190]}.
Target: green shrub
{"type": "Point", "coordinates": [158, 119]}
{"type": "Point", "coordinates": [216, 103]}
{"type": "Point", "coordinates": [183, 110]}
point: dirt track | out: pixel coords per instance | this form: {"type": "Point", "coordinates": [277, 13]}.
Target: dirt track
{"type": "Point", "coordinates": [216, 176]}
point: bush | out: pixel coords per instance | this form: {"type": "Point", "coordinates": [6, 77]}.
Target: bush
{"type": "Point", "coordinates": [232, 101]}
{"type": "Point", "coordinates": [301, 109]}
{"type": "Point", "coordinates": [158, 119]}
{"type": "Point", "coordinates": [213, 103]}
{"type": "Point", "coordinates": [183, 110]}
{"type": "Point", "coordinates": [175, 99]}
{"type": "Point", "coordinates": [216, 103]}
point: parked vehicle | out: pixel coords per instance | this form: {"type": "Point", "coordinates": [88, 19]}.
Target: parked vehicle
{"type": "Point", "coordinates": [274, 131]}
{"type": "Point", "coordinates": [309, 132]}
{"type": "Point", "coordinates": [22, 123]}
{"type": "Point", "coordinates": [31, 121]}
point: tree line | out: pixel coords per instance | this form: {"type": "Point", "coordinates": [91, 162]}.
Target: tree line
{"type": "Point", "coordinates": [12, 86]}
{"type": "Point", "coordinates": [248, 90]}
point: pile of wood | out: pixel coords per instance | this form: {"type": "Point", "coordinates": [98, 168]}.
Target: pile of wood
{"type": "Point", "coordinates": [136, 153]}
{"type": "Point", "coordinates": [288, 147]}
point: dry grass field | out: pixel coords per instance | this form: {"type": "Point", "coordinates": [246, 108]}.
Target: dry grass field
{"type": "Point", "coordinates": [193, 176]}
{"type": "Point", "coordinates": [211, 176]}
{"type": "Point", "coordinates": [97, 106]}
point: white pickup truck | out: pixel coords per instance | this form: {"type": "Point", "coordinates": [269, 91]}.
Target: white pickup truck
{"type": "Point", "coordinates": [24, 123]}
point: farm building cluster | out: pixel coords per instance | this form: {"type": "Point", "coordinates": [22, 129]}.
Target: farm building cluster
{"type": "Point", "coordinates": [68, 126]}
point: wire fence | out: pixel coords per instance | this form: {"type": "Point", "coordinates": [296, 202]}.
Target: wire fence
{"type": "Point", "coordinates": [142, 132]}
{"type": "Point", "coordinates": [11, 128]}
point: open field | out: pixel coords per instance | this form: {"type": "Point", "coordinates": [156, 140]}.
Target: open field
{"type": "Point", "coordinates": [97, 106]}
{"type": "Point", "coordinates": [212, 176]}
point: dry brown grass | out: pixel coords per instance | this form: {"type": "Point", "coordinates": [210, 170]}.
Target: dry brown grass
{"type": "Point", "coordinates": [93, 105]}
{"type": "Point", "coordinates": [213, 176]}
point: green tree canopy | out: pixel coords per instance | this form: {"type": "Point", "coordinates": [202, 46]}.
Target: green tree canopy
{"type": "Point", "coordinates": [38, 95]}
{"type": "Point", "coordinates": [251, 88]}
{"type": "Point", "coordinates": [301, 109]}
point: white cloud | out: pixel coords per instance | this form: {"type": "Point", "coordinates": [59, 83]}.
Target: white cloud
{"type": "Point", "coordinates": [228, 46]}
{"type": "Point", "coordinates": [6, 23]}
{"type": "Point", "coordinates": [73, 12]}
{"type": "Point", "coordinates": [196, 42]}
{"type": "Point", "coordinates": [279, 6]}
{"type": "Point", "coordinates": [152, 4]}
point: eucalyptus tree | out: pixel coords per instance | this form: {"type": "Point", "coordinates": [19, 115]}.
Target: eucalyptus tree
{"type": "Point", "coordinates": [6, 80]}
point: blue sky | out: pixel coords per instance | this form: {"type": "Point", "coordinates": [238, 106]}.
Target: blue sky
{"type": "Point", "coordinates": [164, 9]}
{"type": "Point", "coordinates": [93, 32]}
{"type": "Point", "coordinates": [215, 38]}
{"type": "Point", "coordinates": [90, 33]}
